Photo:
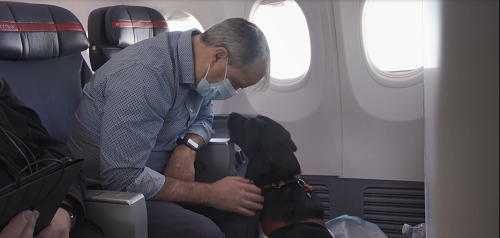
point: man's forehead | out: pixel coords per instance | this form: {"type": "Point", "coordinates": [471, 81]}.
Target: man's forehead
{"type": "Point", "coordinates": [252, 75]}
{"type": "Point", "coordinates": [249, 79]}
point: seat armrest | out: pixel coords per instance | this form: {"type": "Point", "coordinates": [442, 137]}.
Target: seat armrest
{"type": "Point", "coordinates": [119, 214]}
{"type": "Point", "coordinates": [218, 155]}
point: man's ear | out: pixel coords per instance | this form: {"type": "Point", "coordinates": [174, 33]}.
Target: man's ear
{"type": "Point", "coordinates": [220, 53]}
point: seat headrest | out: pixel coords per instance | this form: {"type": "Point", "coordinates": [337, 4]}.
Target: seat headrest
{"type": "Point", "coordinates": [127, 25]}
{"type": "Point", "coordinates": [39, 32]}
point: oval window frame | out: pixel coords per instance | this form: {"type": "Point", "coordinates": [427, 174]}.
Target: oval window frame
{"type": "Point", "coordinates": [179, 11]}
{"type": "Point", "coordinates": [397, 79]}
{"type": "Point", "coordinates": [289, 84]}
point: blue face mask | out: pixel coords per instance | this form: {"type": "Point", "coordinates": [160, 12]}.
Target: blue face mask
{"type": "Point", "coordinates": [216, 91]}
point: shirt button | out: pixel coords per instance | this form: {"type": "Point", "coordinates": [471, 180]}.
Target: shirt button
{"type": "Point", "coordinates": [191, 110]}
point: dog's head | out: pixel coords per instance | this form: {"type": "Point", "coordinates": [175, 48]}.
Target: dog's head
{"type": "Point", "coordinates": [268, 145]}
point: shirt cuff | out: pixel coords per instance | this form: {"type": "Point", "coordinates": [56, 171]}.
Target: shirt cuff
{"type": "Point", "coordinates": [206, 132]}
{"type": "Point", "coordinates": [149, 183]}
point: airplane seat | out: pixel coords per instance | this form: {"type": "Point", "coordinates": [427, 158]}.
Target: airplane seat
{"type": "Point", "coordinates": [112, 29]}
{"type": "Point", "coordinates": [40, 57]}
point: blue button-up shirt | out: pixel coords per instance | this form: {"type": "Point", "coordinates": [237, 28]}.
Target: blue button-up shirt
{"type": "Point", "coordinates": [133, 110]}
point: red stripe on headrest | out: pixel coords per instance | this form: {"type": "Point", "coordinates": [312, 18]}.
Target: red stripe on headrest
{"type": "Point", "coordinates": [69, 27]}
{"type": "Point", "coordinates": [9, 26]}
{"type": "Point", "coordinates": [160, 24]}
{"type": "Point", "coordinates": [36, 27]}
{"type": "Point", "coordinates": [121, 24]}
{"type": "Point", "coordinates": [138, 24]}
{"type": "Point", "coordinates": [142, 24]}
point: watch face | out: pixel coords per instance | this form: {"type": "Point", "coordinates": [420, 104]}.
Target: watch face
{"type": "Point", "coordinates": [192, 143]}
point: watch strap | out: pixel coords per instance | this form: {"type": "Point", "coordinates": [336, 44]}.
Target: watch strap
{"type": "Point", "coordinates": [71, 211]}
{"type": "Point", "coordinates": [184, 141]}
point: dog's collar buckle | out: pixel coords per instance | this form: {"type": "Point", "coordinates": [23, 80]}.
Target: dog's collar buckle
{"type": "Point", "coordinates": [306, 186]}
{"type": "Point", "coordinates": [297, 179]}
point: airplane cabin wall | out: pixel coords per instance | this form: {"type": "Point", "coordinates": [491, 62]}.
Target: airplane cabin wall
{"type": "Point", "coordinates": [383, 127]}
{"type": "Point", "coordinates": [343, 122]}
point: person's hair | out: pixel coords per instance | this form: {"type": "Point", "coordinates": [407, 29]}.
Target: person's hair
{"type": "Point", "coordinates": [245, 44]}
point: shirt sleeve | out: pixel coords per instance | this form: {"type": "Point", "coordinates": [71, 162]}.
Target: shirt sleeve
{"type": "Point", "coordinates": [202, 125]}
{"type": "Point", "coordinates": [136, 101]}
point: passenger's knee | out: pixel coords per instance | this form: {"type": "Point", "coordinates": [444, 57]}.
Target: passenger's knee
{"type": "Point", "coordinates": [207, 229]}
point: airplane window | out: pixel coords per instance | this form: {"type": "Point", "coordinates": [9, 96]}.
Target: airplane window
{"type": "Point", "coordinates": [285, 27]}
{"type": "Point", "coordinates": [183, 23]}
{"type": "Point", "coordinates": [392, 34]}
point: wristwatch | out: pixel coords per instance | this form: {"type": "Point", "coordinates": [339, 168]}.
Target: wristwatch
{"type": "Point", "coordinates": [190, 143]}
{"type": "Point", "coordinates": [72, 213]}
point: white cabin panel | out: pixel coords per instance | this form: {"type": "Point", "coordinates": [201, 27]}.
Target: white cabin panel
{"type": "Point", "coordinates": [383, 127]}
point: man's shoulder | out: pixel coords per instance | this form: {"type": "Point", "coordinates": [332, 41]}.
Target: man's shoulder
{"type": "Point", "coordinates": [153, 52]}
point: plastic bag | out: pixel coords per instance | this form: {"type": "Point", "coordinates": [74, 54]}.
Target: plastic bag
{"type": "Point", "coordinates": [353, 227]}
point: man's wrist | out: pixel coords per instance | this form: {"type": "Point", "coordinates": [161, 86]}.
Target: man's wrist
{"type": "Point", "coordinates": [208, 194]}
{"type": "Point", "coordinates": [188, 142]}
{"type": "Point", "coordinates": [71, 212]}
{"type": "Point", "coordinates": [186, 152]}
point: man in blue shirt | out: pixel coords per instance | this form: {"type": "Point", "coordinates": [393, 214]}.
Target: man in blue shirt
{"type": "Point", "coordinates": [139, 104]}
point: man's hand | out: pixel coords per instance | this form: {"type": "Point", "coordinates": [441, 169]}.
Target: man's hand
{"type": "Point", "coordinates": [59, 227]}
{"type": "Point", "coordinates": [235, 194]}
{"type": "Point", "coordinates": [21, 226]}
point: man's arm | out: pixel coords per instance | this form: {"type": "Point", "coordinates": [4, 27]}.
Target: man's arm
{"type": "Point", "coordinates": [233, 194]}
{"type": "Point", "coordinates": [133, 114]}
{"type": "Point", "coordinates": [181, 162]}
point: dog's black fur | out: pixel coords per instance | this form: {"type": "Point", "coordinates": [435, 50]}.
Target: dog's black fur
{"type": "Point", "coordinates": [270, 150]}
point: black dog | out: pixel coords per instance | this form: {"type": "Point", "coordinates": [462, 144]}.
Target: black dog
{"type": "Point", "coordinates": [291, 208]}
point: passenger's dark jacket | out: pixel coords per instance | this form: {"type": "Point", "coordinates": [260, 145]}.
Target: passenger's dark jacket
{"type": "Point", "coordinates": [24, 123]}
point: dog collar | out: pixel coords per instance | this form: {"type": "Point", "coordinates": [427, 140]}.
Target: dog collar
{"type": "Point", "coordinates": [281, 183]}
{"type": "Point", "coordinates": [278, 184]}
{"type": "Point", "coordinates": [296, 178]}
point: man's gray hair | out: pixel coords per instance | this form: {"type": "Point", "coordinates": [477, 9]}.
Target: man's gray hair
{"type": "Point", "coordinates": [245, 44]}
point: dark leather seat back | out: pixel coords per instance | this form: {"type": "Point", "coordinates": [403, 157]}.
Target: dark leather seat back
{"type": "Point", "coordinates": [111, 29]}
{"type": "Point", "coordinates": [40, 57]}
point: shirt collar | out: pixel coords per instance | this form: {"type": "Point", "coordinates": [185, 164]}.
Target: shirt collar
{"type": "Point", "coordinates": [186, 61]}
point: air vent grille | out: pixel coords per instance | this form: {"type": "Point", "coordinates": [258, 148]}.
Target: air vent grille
{"type": "Point", "coordinates": [391, 207]}
{"type": "Point", "coordinates": [323, 193]}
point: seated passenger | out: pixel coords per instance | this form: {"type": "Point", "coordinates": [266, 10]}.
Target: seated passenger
{"type": "Point", "coordinates": [17, 119]}
{"type": "Point", "coordinates": [149, 95]}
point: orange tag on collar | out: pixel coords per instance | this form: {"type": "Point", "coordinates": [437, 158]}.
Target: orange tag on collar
{"type": "Point", "coordinates": [308, 187]}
